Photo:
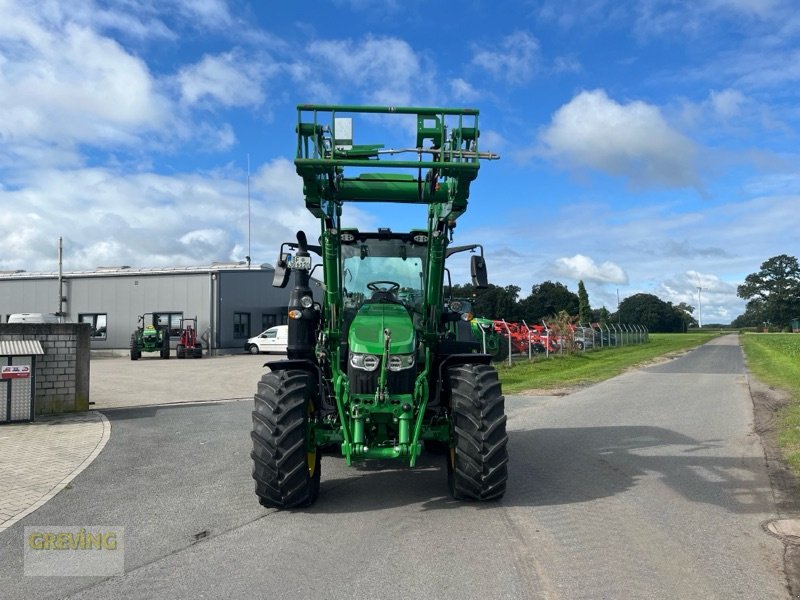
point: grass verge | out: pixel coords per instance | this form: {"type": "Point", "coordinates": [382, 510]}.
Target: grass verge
{"type": "Point", "coordinates": [590, 367]}
{"type": "Point", "coordinates": [774, 358]}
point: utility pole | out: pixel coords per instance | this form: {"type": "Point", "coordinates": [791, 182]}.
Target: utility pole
{"type": "Point", "coordinates": [60, 280]}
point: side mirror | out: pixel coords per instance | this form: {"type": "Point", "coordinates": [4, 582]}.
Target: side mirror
{"type": "Point", "coordinates": [282, 271]}
{"type": "Point", "coordinates": [477, 269]}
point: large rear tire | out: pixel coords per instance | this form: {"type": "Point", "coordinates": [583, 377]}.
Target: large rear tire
{"type": "Point", "coordinates": [286, 472]}
{"type": "Point", "coordinates": [477, 468]}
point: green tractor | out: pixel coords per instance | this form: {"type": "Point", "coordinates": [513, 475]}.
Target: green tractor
{"type": "Point", "coordinates": [374, 370]}
{"type": "Point", "coordinates": [150, 337]}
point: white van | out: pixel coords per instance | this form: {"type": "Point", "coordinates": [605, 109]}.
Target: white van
{"type": "Point", "coordinates": [273, 339]}
{"type": "Point", "coordinates": [33, 318]}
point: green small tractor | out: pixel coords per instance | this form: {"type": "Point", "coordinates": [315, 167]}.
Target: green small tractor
{"type": "Point", "coordinates": [374, 370]}
{"type": "Point", "coordinates": [150, 337]}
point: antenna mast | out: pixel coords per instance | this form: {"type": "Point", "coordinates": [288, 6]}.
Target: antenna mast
{"type": "Point", "coordinates": [248, 211]}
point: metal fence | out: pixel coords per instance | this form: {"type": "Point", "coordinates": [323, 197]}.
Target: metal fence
{"type": "Point", "coordinates": [550, 338]}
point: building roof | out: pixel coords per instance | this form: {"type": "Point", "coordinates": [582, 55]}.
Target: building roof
{"type": "Point", "coordinates": [126, 270]}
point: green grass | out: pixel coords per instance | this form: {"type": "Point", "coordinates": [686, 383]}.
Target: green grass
{"type": "Point", "coordinates": [590, 367]}
{"type": "Point", "coordinates": [774, 358]}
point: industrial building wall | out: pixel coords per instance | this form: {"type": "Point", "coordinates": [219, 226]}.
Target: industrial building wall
{"type": "Point", "coordinates": [248, 304]}
{"type": "Point", "coordinates": [123, 298]}
{"type": "Point", "coordinates": [28, 295]}
{"type": "Point", "coordinates": [120, 299]}
{"type": "Point", "coordinates": [230, 306]}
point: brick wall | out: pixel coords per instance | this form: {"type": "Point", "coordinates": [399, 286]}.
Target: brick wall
{"type": "Point", "coordinates": [62, 374]}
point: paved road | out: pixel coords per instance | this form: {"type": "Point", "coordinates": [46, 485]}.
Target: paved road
{"type": "Point", "coordinates": [651, 485]}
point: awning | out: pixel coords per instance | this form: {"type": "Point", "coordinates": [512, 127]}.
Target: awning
{"type": "Point", "coordinates": [21, 348]}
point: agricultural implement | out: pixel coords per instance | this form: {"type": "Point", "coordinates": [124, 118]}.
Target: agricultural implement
{"type": "Point", "coordinates": [373, 369]}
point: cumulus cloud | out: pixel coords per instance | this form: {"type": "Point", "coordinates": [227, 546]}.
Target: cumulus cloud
{"type": "Point", "coordinates": [583, 267]}
{"type": "Point", "coordinates": [229, 79]}
{"type": "Point", "coordinates": [385, 70]}
{"type": "Point", "coordinates": [51, 80]}
{"type": "Point", "coordinates": [147, 219]}
{"type": "Point", "coordinates": [630, 140]}
{"type": "Point", "coordinates": [514, 61]}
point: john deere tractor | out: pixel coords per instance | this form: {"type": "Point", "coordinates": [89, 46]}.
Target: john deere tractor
{"type": "Point", "coordinates": [149, 337]}
{"type": "Point", "coordinates": [374, 369]}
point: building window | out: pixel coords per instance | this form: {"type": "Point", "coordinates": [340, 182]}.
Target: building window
{"type": "Point", "coordinates": [98, 323]}
{"type": "Point", "coordinates": [172, 320]}
{"type": "Point", "coordinates": [268, 321]}
{"type": "Point", "coordinates": [241, 325]}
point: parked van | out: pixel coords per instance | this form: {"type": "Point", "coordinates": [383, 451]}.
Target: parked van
{"type": "Point", "coordinates": [33, 318]}
{"type": "Point", "coordinates": [273, 339]}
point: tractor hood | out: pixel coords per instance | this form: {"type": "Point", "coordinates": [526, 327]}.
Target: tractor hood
{"type": "Point", "coordinates": [366, 330]}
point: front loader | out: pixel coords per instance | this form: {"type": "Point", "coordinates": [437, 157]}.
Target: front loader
{"type": "Point", "coordinates": [374, 370]}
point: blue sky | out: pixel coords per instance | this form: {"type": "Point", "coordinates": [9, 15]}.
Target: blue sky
{"type": "Point", "coordinates": [647, 146]}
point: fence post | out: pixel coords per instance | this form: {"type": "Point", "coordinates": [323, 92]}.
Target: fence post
{"type": "Point", "coordinates": [508, 334]}
{"type": "Point", "coordinates": [529, 338]}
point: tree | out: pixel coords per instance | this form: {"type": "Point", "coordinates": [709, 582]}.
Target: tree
{"type": "Point", "coordinates": [494, 302]}
{"type": "Point", "coordinates": [753, 316]}
{"type": "Point", "coordinates": [548, 299]}
{"type": "Point", "coordinates": [601, 315]}
{"type": "Point", "coordinates": [584, 310]}
{"type": "Point", "coordinates": [777, 286]}
{"type": "Point", "coordinates": [652, 312]}
{"type": "Point", "coordinates": [684, 312]}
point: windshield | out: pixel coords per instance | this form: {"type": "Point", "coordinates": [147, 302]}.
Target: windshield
{"type": "Point", "coordinates": [387, 265]}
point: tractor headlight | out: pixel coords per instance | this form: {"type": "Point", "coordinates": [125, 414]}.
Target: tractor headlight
{"type": "Point", "coordinates": [366, 362]}
{"type": "Point", "coordinates": [306, 301]}
{"type": "Point", "coordinates": [398, 362]}
{"type": "Point", "coordinates": [456, 305]}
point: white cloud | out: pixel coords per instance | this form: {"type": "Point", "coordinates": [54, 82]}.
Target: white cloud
{"type": "Point", "coordinates": [146, 219]}
{"type": "Point", "coordinates": [386, 70]}
{"type": "Point", "coordinates": [727, 103]}
{"type": "Point", "coordinates": [583, 267]}
{"type": "Point", "coordinates": [514, 61]}
{"type": "Point", "coordinates": [567, 64]}
{"type": "Point", "coordinates": [230, 79]}
{"type": "Point", "coordinates": [64, 84]}
{"type": "Point", "coordinates": [625, 140]}
{"type": "Point", "coordinates": [462, 90]}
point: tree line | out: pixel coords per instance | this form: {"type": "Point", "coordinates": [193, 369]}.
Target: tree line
{"type": "Point", "coordinates": [772, 294]}
{"type": "Point", "coordinates": [549, 299]}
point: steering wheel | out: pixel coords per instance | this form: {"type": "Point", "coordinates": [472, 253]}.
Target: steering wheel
{"type": "Point", "coordinates": [391, 286]}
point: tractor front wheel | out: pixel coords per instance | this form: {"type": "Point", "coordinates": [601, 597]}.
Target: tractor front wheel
{"type": "Point", "coordinates": [477, 468]}
{"type": "Point", "coordinates": [135, 353]}
{"type": "Point", "coordinates": [286, 469]}
{"type": "Point", "coordinates": [180, 351]}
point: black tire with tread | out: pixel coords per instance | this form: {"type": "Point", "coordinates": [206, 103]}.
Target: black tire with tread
{"type": "Point", "coordinates": [180, 351]}
{"type": "Point", "coordinates": [286, 475]}
{"type": "Point", "coordinates": [253, 349]}
{"type": "Point", "coordinates": [477, 467]}
{"type": "Point", "coordinates": [135, 354]}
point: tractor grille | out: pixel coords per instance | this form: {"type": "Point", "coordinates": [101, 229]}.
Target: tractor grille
{"type": "Point", "coordinates": [398, 382]}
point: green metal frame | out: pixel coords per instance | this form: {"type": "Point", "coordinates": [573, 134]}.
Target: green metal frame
{"type": "Point", "coordinates": [447, 161]}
